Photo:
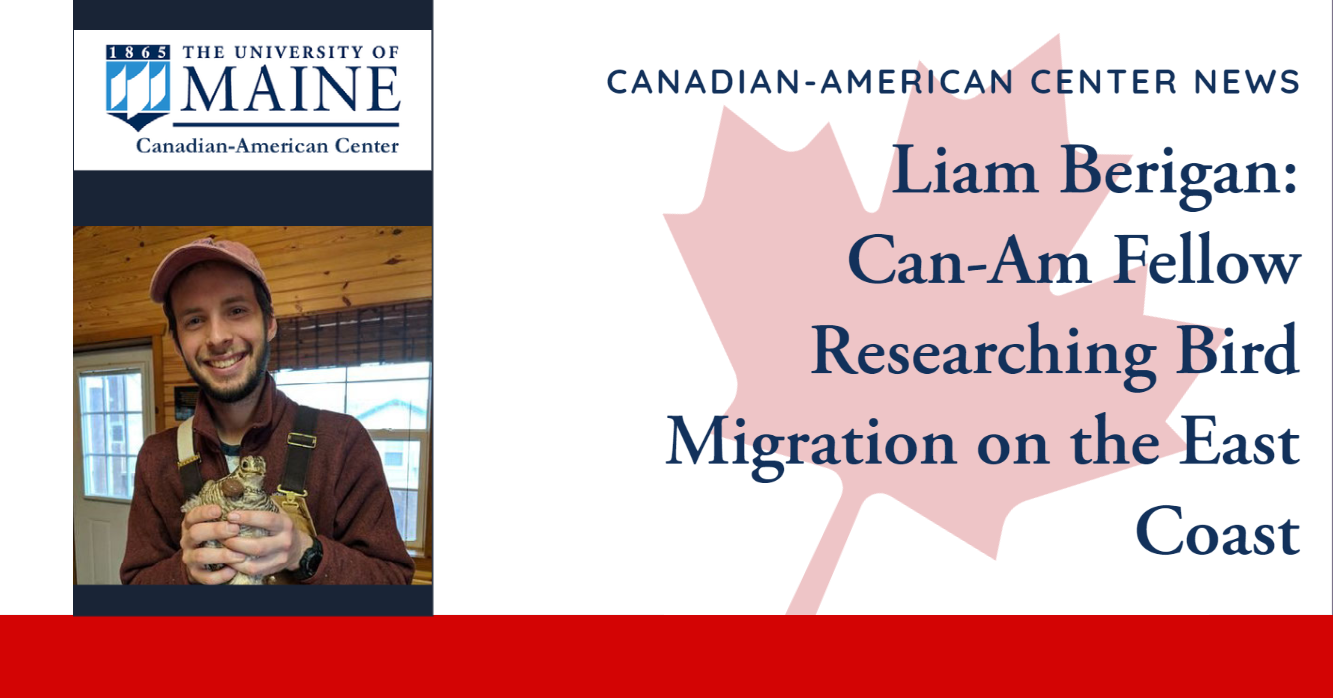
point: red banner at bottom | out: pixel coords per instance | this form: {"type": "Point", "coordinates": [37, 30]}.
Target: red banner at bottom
{"type": "Point", "coordinates": [668, 654]}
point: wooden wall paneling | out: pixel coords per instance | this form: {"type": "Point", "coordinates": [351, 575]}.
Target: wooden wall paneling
{"type": "Point", "coordinates": [112, 286]}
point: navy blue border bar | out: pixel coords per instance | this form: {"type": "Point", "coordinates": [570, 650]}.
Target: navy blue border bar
{"type": "Point", "coordinates": [253, 14]}
{"type": "Point", "coordinates": [294, 600]}
{"type": "Point", "coordinates": [245, 197]}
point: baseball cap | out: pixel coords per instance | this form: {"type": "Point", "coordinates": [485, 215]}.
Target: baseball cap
{"type": "Point", "coordinates": [205, 250]}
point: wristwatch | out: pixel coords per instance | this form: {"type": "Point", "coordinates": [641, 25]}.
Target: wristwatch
{"type": "Point", "coordinates": [309, 561]}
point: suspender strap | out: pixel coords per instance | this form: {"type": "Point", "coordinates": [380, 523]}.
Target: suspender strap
{"type": "Point", "coordinates": [188, 461]}
{"type": "Point", "coordinates": [291, 492]}
{"type": "Point", "coordinates": [300, 442]}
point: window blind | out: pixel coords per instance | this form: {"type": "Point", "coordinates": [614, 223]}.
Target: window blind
{"type": "Point", "coordinates": [382, 334]}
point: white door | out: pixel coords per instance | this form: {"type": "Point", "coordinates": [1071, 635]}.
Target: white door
{"type": "Point", "coordinates": [113, 412]}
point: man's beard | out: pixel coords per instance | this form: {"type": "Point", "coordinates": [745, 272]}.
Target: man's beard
{"type": "Point", "coordinates": [259, 369]}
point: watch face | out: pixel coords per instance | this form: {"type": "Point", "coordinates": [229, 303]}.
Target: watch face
{"type": "Point", "coordinates": [313, 556]}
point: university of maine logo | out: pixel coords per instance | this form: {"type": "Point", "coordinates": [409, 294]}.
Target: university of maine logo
{"type": "Point", "coordinates": [138, 83]}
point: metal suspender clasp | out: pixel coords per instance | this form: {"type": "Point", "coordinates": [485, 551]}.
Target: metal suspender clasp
{"type": "Point", "coordinates": [302, 440]}
{"type": "Point", "coordinates": [291, 500]}
{"type": "Point", "coordinates": [188, 461]}
{"type": "Point", "coordinates": [290, 494]}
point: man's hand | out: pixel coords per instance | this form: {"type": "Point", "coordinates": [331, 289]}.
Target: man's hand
{"type": "Point", "coordinates": [200, 526]}
{"type": "Point", "coordinates": [280, 550]}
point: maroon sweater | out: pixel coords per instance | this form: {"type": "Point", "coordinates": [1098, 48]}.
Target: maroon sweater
{"type": "Point", "coordinates": [348, 496]}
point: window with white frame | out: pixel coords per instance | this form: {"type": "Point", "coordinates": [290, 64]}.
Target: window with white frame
{"type": "Point", "coordinates": [111, 415]}
{"type": "Point", "coordinates": [392, 401]}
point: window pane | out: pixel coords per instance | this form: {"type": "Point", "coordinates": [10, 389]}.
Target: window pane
{"type": "Point", "coordinates": [92, 394]}
{"type": "Point", "coordinates": [310, 375]}
{"type": "Point", "coordinates": [328, 396]}
{"type": "Point", "coordinates": [389, 405]}
{"type": "Point", "coordinates": [134, 427]}
{"type": "Point", "coordinates": [393, 454]}
{"type": "Point", "coordinates": [95, 483]}
{"type": "Point", "coordinates": [88, 480]}
{"type": "Point", "coordinates": [115, 393]}
{"type": "Point", "coordinates": [94, 433]}
{"type": "Point", "coordinates": [115, 434]}
{"type": "Point", "coordinates": [119, 486]}
{"type": "Point", "coordinates": [377, 372]}
{"type": "Point", "coordinates": [134, 392]}
{"type": "Point", "coordinates": [405, 512]}
{"type": "Point", "coordinates": [414, 464]}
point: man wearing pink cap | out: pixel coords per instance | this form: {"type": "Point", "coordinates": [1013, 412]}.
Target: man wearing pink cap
{"type": "Point", "coordinates": [335, 524]}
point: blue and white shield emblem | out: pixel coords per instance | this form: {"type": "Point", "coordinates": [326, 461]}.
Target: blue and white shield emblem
{"type": "Point", "coordinates": [138, 83]}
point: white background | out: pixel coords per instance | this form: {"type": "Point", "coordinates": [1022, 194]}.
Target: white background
{"type": "Point", "coordinates": [576, 328]}
{"type": "Point", "coordinates": [107, 143]}
{"type": "Point", "coordinates": [570, 326]}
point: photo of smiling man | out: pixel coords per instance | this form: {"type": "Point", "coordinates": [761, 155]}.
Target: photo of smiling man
{"type": "Point", "coordinates": [250, 487]}
{"type": "Point", "coordinates": [220, 313]}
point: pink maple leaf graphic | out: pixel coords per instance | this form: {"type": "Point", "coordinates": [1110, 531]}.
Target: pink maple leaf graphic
{"type": "Point", "coordinates": [768, 251]}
